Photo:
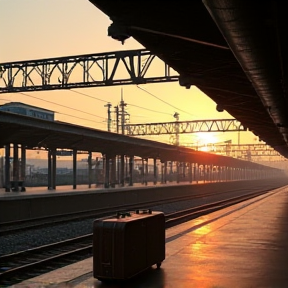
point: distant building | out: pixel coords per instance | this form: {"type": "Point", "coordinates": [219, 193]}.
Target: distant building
{"type": "Point", "coordinates": [28, 110]}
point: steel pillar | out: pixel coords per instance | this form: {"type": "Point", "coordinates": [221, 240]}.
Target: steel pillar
{"type": "Point", "coordinates": [113, 172]}
{"type": "Point", "coordinates": [162, 172]}
{"type": "Point", "coordinates": [89, 169]}
{"type": "Point", "coordinates": [155, 171]}
{"type": "Point", "coordinates": [190, 172]}
{"type": "Point", "coordinates": [7, 168]}
{"type": "Point", "coordinates": [15, 180]}
{"type": "Point", "coordinates": [49, 170]}
{"type": "Point", "coordinates": [165, 172]}
{"type": "Point", "coordinates": [146, 171]}
{"type": "Point", "coordinates": [107, 172]}
{"type": "Point", "coordinates": [54, 169]}
{"type": "Point", "coordinates": [142, 172]}
{"type": "Point", "coordinates": [74, 168]}
{"type": "Point", "coordinates": [23, 167]}
{"type": "Point", "coordinates": [178, 171]}
{"type": "Point", "coordinates": [131, 167]}
{"type": "Point", "coordinates": [122, 170]}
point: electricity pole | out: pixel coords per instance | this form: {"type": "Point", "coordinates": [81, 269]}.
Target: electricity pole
{"type": "Point", "coordinates": [176, 116]}
{"type": "Point", "coordinates": [109, 121]}
{"type": "Point", "coordinates": [123, 113]}
{"type": "Point", "coordinates": [117, 118]}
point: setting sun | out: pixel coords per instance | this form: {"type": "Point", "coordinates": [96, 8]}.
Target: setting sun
{"type": "Point", "coordinates": [204, 138]}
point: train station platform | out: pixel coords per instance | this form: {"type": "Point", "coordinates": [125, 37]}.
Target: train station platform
{"type": "Point", "coordinates": [40, 202]}
{"type": "Point", "coordinates": [43, 190]}
{"type": "Point", "coordinates": [243, 246]}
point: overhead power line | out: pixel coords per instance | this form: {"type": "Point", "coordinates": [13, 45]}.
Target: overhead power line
{"type": "Point", "coordinates": [178, 109]}
{"type": "Point", "coordinates": [84, 94]}
{"type": "Point", "coordinates": [62, 106]}
{"type": "Point", "coordinates": [140, 107]}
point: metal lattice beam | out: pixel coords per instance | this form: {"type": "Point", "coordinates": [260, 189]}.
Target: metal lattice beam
{"type": "Point", "coordinates": [102, 69]}
{"type": "Point", "coordinates": [242, 151]}
{"type": "Point", "coordinates": [221, 125]}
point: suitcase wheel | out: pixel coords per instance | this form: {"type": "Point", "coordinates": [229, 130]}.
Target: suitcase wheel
{"type": "Point", "coordinates": [158, 265]}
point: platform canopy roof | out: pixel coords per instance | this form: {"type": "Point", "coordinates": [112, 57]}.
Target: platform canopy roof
{"type": "Point", "coordinates": [32, 133]}
{"type": "Point", "coordinates": [235, 51]}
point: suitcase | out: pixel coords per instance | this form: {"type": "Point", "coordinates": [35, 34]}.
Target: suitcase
{"type": "Point", "coordinates": [125, 245]}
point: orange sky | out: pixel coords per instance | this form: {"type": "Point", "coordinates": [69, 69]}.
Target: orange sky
{"type": "Point", "coordinates": [36, 29]}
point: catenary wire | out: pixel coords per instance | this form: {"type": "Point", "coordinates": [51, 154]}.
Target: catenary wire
{"type": "Point", "coordinates": [178, 109]}
{"type": "Point", "coordinates": [2, 99]}
{"type": "Point", "coordinates": [147, 109]}
{"type": "Point", "coordinates": [62, 106]}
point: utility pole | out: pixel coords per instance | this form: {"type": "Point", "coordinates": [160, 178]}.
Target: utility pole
{"type": "Point", "coordinates": [122, 156]}
{"type": "Point", "coordinates": [123, 113]}
{"type": "Point", "coordinates": [109, 121]}
{"type": "Point", "coordinates": [176, 116]}
{"type": "Point", "coordinates": [117, 118]}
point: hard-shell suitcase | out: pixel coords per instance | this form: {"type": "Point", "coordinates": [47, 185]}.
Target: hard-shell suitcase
{"type": "Point", "coordinates": [128, 244]}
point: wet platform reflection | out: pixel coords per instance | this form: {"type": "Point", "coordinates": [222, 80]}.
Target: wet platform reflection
{"type": "Point", "coordinates": [242, 246]}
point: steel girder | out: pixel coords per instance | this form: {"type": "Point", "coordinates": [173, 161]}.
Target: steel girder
{"type": "Point", "coordinates": [92, 70]}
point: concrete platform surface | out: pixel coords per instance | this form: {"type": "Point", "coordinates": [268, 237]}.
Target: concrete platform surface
{"type": "Point", "coordinates": [243, 246]}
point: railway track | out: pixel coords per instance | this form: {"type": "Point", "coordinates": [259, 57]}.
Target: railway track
{"type": "Point", "coordinates": [17, 226]}
{"type": "Point", "coordinates": [17, 267]}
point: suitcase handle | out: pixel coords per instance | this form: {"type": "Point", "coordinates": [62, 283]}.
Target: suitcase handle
{"type": "Point", "coordinates": [123, 214]}
{"type": "Point", "coordinates": [144, 211]}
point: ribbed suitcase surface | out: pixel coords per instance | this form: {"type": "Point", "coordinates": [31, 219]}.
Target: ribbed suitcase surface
{"type": "Point", "coordinates": [125, 245]}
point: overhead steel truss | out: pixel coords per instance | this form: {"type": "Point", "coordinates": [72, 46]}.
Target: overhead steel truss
{"type": "Point", "coordinates": [102, 69]}
{"type": "Point", "coordinates": [180, 127]}
{"type": "Point", "coordinates": [239, 150]}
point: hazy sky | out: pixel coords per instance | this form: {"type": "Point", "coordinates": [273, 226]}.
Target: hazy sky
{"type": "Point", "coordinates": [36, 29]}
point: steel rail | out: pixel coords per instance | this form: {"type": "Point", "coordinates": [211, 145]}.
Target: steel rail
{"type": "Point", "coordinates": [175, 218]}
{"type": "Point", "coordinates": [17, 226]}
{"type": "Point", "coordinates": [12, 268]}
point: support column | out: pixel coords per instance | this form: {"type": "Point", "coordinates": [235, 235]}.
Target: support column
{"type": "Point", "coordinates": [131, 168]}
{"type": "Point", "coordinates": [107, 171]}
{"type": "Point", "coordinates": [126, 169]}
{"type": "Point", "coordinates": [54, 169]}
{"type": "Point", "coordinates": [213, 169]}
{"type": "Point", "coordinates": [171, 171]}
{"type": "Point", "coordinates": [96, 171]}
{"type": "Point", "coordinates": [23, 167]}
{"type": "Point", "coordinates": [165, 172]}
{"type": "Point", "coordinates": [7, 168]}
{"type": "Point", "coordinates": [190, 172]}
{"type": "Point", "coordinates": [184, 171]}
{"type": "Point", "coordinates": [89, 169]}
{"type": "Point", "coordinates": [122, 169]}
{"type": "Point", "coordinates": [162, 172]}
{"type": "Point", "coordinates": [118, 169]}
{"type": "Point", "coordinates": [155, 171]}
{"type": "Point", "coordinates": [74, 168]}
{"type": "Point", "coordinates": [142, 172]}
{"type": "Point", "coordinates": [15, 186]}
{"type": "Point", "coordinates": [199, 173]}
{"type": "Point", "coordinates": [195, 172]}
{"type": "Point", "coordinates": [113, 172]}
{"type": "Point", "coordinates": [49, 170]}
{"type": "Point", "coordinates": [178, 171]}
{"type": "Point", "coordinates": [146, 171]}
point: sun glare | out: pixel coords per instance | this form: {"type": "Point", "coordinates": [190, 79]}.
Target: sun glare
{"type": "Point", "coordinates": [206, 138]}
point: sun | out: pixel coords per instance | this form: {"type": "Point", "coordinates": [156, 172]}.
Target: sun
{"type": "Point", "coordinates": [205, 138]}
